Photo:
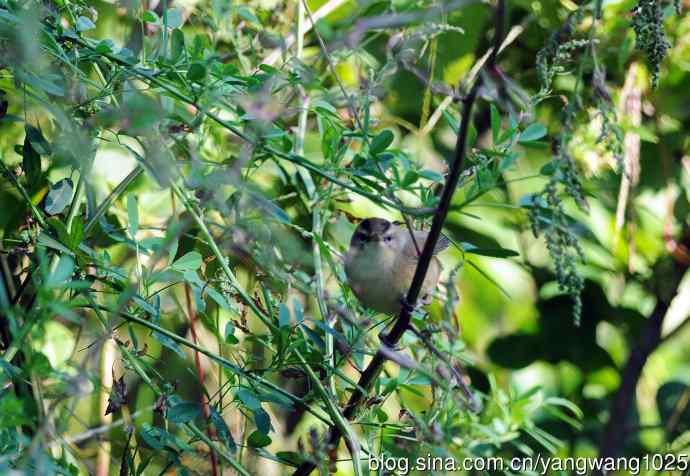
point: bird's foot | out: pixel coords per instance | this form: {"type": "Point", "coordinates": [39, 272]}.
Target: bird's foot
{"type": "Point", "coordinates": [406, 306]}
{"type": "Point", "coordinates": [383, 337]}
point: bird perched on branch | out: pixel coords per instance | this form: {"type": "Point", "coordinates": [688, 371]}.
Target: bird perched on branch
{"type": "Point", "coordinates": [381, 263]}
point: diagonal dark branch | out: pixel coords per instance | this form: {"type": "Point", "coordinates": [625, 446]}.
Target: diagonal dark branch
{"type": "Point", "coordinates": [616, 428]}
{"type": "Point", "coordinates": [402, 323]}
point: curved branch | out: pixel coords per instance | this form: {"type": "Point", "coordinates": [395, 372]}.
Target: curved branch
{"type": "Point", "coordinates": [615, 430]}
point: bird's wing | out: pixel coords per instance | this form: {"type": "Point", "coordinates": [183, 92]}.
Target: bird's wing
{"type": "Point", "coordinates": [442, 244]}
{"type": "Point", "coordinates": [421, 236]}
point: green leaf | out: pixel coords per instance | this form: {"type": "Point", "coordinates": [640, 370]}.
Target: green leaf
{"type": "Point", "coordinates": [391, 385]}
{"type": "Point", "coordinates": [76, 233]}
{"type": "Point", "coordinates": [314, 337]}
{"type": "Point", "coordinates": [548, 168]}
{"type": "Point", "coordinates": [562, 402]}
{"type": "Point", "coordinates": [669, 399]}
{"type": "Point", "coordinates": [189, 262]}
{"type": "Point", "coordinates": [229, 334]}
{"type": "Point", "coordinates": [196, 72]}
{"type": "Point", "coordinates": [46, 82]}
{"type": "Point", "coordinates": [249, 399]}
{"type": "Point", "coordinates": [492, 252]}
{"type": "Point", "coordinates": [218, 298]}
{"type": "Point", "coordinates": [410, 177]}
{"type": "Point", "coordinates": [283, 315]}
{"type": "Point", "coordinates": [258, 440]}
{"type": "Point", "coordinates": [14, 412]}
{"type": "Point", "coordinates": [39, 365]}
{"type": "Point", "coordinates": [533, 132]}
{"type": "Point", "coordinates": [495, 124]}
{"type": "Point", "coordinates": [297, 308]}
{"type": "Point", "coordinates": [183, 412]}
{"type": "Point", "coordinates": [62, 274]}
{"type": "Point", "coordinates": [59, 196]}
{"type": "Point", "coordinates": [153, 436]}
{"type": "Point", "coordinates": [38, 142]}
{"type": "Point", "coordinates": [177, 44]}
{"type": "Point", "coordinates": [290, 457]}
{"type": "Point", "coordinates": [31, 162]}
{"type": "Point", "coordinates": [84, 24]}
{"type": "Point", "coordinates": [471, 135]}
{"type": "Point", "coordinates": [431, 175]}
{"type": "Point", "coordinates": [151, 17]}
{"type": "Point", "coordinates": [508, 161]}
{"type": "Point", "coordinates": [133, 215]}
{"type": "Point", "coordinates": [105, 47]}
{"type": "Point", "coordinates": [248, 15]}
{"type": "Point", "coordinates": [262, 420]}
{"type": "Point", "coordinates": [452, 121]}
{"type": "Point", "coordinates": [49, 242]}
{"type": "Point", "coordinates": [381, 142]}
{"type": "Point", "coordinates": [223, 430]}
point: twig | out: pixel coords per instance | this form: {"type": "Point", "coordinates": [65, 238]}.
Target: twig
{"type": "Point", "coordinates": [322, 12]}
{"type": "Point", "coordinates": [107, 361]}
{"type": "Point", "coordinates": [331, 66]}
{"type": "Point", "coordinates": [116, 192]}
{"type": "Point", "coordinates": [397, 20]}
{"type": "Point", "coordinates": [459, 378]}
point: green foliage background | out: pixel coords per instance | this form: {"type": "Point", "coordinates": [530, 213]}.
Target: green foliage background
{"type": "Point", "coordinates": [181, 180]}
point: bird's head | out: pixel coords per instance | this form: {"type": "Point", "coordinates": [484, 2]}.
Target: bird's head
{"type": "Point", "coordinates": [377, 231]}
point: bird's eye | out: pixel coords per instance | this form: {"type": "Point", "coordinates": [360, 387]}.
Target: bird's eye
{"type": "Point", "coordinates": [388, 238]}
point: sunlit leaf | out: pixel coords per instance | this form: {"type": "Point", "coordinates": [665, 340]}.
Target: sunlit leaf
{"type": "Point", "coordinates": [495, 124]}
{"type": "Point", "coordinates": [62, 273]}
{"type": "Point", "coordinates": [84, 24]}
{"type": "Point", "coordinates": [151, 17]}
{"type": "Point", "coordinates": [133, 214]}
{"type": "Point", "coordinates": [189, 262]}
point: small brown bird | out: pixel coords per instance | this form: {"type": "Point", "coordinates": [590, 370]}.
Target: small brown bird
{"type": "Point", "coordinates": [381, 263]}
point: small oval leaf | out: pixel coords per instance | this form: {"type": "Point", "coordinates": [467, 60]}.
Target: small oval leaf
{"type": "Point", "coordinates": [381, 142]}
{"type": "Point", "coordinates": [84, 24]}
{"type": "Point", "coordinates": [183, 412]}
{"type": "Point", "coordinates": [533, 132]}
{"type": "Point", "coordinates": [189, 262]}
{"type": "Point", "coordinates": [59, 196]}
{"type": "Point", "coordinates": [196, 72]}
{"type": "Point", "coordinates": [258, 440]}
